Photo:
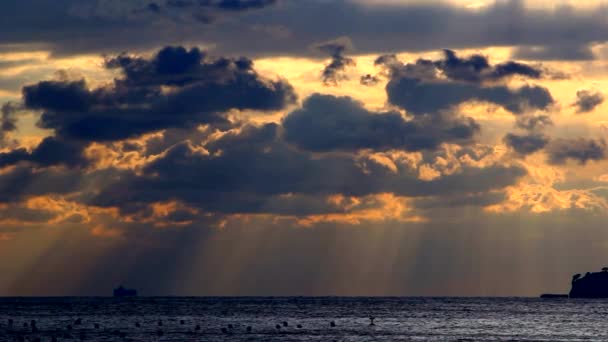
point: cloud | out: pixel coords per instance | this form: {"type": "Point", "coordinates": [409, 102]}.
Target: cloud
{"type": "Point", "coordinates": [22, 182]}
{"type": "Point", "coordinates": [369, 80]}
{"type": "Point", "coordinates": [51, 151]}
{"type": "Point", "coordinates": [238, 174]}
{"type": "Point", "coordinates": [555, 53]}
{"type": "Point", "coordinates": [418, 88]}
{"type": "Point", "coordinates": [197, 11]}
{"type": "Point", "coordinates": [526, 144]}
{"type": "Point", "coordinates": [533, 122]}
{"type": "Point", "coordinates": [476, 68]}
{"type": "Point", "coordinates": [19, 215]}
{"type": "Point", "coordinates": [238, 5]}
{"type": "Point", "coordinates": [163, 145]}
{"type": "Point", "coordinates": [587, 100]}
{"type": "Point", "coordinates": [170, 61]}
{"type": "Point", "coordinates": [325, 148]}
{"type": "Point", "coordinates": [202, 89]}
{"type": "Point", "coordinates": [113, 26]}
{"type": "Point", "coordinates": [581, 150]}
{"type": "Point", "coordinates": [58, 96]}
{"type": "Point", "coordinates": [8, 120]}
{"type": "Point", "coordinates": [227, 5]}
{"type": "Point", "coordinates": [420, 97]}
{"type": "Point", "coordinates": [333, 73]}
{"type": "Point", "coordinates": [326, 123]}
{"type": "Point", "coordinates": [427, 26]}
{"type": "Point", "coordinates": [474, 200]}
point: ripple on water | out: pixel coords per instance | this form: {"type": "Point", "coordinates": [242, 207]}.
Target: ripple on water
{"type": "Point", "coordinates": [304, 319]}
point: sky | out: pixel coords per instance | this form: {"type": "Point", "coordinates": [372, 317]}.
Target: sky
{"type": "Point", "coordinates": [310, 148]}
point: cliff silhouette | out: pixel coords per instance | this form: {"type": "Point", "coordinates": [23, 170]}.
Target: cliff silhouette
{"type": "Point", "coordinates": [591, 285]}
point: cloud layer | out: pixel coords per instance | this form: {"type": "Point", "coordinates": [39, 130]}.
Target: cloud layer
{"type": "Point", "coordinates": [275, 138]}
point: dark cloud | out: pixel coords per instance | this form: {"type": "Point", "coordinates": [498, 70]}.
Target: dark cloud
{"type": "Point", "coordinates": [555, 53]}
{"type": "Point", "coordinates": [474, 200]}
{"type": "Point", "coordinates": [58, 96]}
{"type": "Point", "coordinates": [237, 172]}
{"type": "Point", "coordinates": [580, 150]}
{"type": "Point", "coordinates": [13, 157]}
{"type": "Point", "coordinates": [243, 177]}
{"type": "Point", "coordinates": [511, 68]}
{"type": "Point", "coordinates": [463, 69]}
{"type": "Point", "coordinates": [419, 96]}
{"type": "Point", "coordinates": [477, 68]}
{"type": "Point", "coordinates": [203, 89]}
{"type": "Point", "coordinates": [170, 66]}
{"type": "Point", "coordinates": [239, 5]}
{"type": "Point", "coordinates": [427, 26]}
{"type": "Point", "coordinates": [8, 119]}
{"type": "Point", "coordinates": [51, 151]}
{"type": "Point", "coordinates": [526, 144]}
{"type": "Point", "coordinates": [289, 168]}
{"type": "Point", "coordinates": [22, 182]}
{"type": "Point", "coordinates": [227, 5]}
{"type": "Point", "coordinates": [71, 26]}
{"type": "Point", "coordinates": [533, 122]}
{"type": "Point", "coordinates": [193, 12]}
{"type": "Point", "coordinates": [392, 66]}
{"type": "Point", "coordinates": [369, 80]}
{"type": "Point", "coordinates": [326, 123]}
{"type": "Point", "coordinates": [587, 100]}
{"type": "Point", "coordinates": [154, 7]}
{"type": "Point", "coordinates": [23, 215]}
{"type": "Point", "coordinates": [419, 89]}
{"type": "Point", "coordinates": [333, 73]}
{"type": "Point", "coordinates": [171, 60]}
{"type": "Point", "coordinates": [390, 61]}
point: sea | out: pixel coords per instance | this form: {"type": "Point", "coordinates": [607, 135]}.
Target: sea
{"type": "Point", "coordinates": [302, 319]}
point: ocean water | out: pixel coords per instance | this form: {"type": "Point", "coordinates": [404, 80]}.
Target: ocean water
{"type": "Point", "coordinates": [396, 319]}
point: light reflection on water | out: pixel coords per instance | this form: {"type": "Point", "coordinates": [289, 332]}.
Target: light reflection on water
{"type": "Point", "coordinates": [406, 319]}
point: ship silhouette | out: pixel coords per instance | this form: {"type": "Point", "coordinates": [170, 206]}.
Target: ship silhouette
{"type": "Point", "coordinates": [121, 291]}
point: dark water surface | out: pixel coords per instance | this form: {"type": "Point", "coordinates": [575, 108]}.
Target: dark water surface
{"type": "Point", "coordinates": [397, 319]}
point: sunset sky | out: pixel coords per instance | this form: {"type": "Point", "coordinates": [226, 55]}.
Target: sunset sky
{"type": "Point", "coordinates": [302, 147]}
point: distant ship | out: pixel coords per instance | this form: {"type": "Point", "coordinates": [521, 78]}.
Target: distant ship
{"type": "Point", "coordinates": [124, 292]}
